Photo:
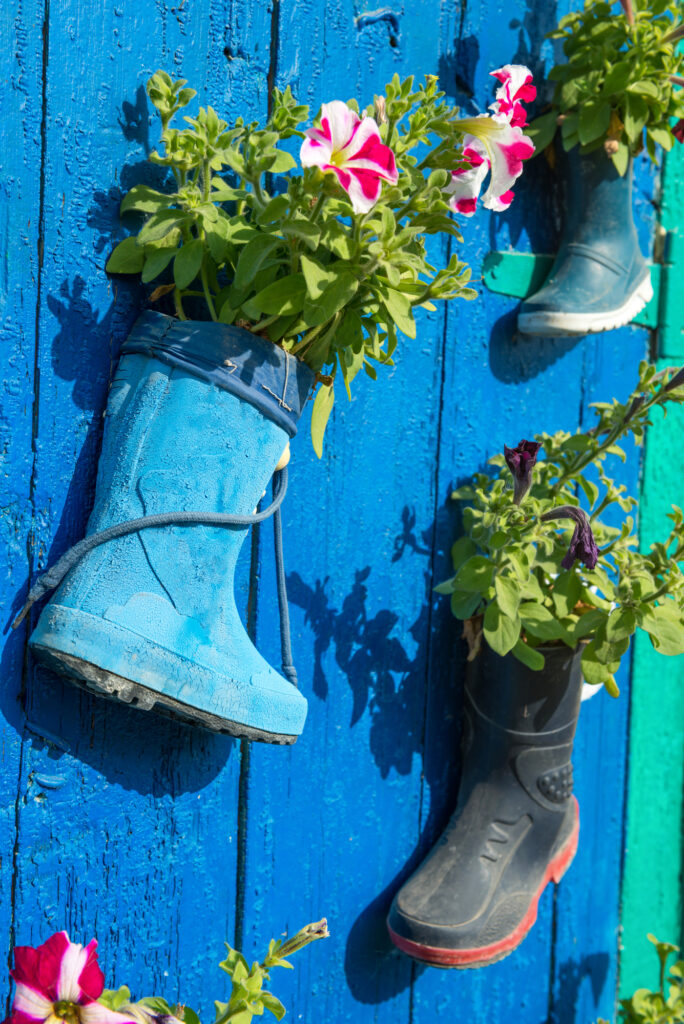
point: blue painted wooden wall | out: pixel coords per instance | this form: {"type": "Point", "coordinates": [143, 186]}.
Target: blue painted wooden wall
{"type": "Point", "coordinates": [163, 841]}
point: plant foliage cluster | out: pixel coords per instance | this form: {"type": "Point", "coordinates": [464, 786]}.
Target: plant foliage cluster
{"type": "Point", "coordinates": [248, 998]}
{"type": "Point", "coordinates": [507, 565]}
{"type": "Point", "coordinates": [287, 257]}
{"type": "Point", "coordinates": [619, 84]}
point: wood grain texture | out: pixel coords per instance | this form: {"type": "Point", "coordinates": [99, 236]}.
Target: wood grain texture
{"type": "Point", "coordinates": [128, 823]}
{"type": "Point", "coordinates": [20, 156]}
{"type": "Point", "coordinates": [163, 840]}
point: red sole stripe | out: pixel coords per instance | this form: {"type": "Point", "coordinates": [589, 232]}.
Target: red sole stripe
{"type": "Point", "coordinates": [483, 955]}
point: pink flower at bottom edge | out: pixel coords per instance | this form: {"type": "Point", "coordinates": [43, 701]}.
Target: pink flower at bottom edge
{"type": "Point", "coordinates": [351, 148]}
{"type": "Point", "coordinates": [60, 981]}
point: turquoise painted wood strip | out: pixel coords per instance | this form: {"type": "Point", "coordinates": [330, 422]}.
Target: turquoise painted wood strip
{"type": "Point", "coordinates": [138, 845]}
{"type": "Point", "coordinates": [20, 148]}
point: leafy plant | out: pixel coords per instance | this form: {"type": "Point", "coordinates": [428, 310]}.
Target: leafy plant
{"type": "Point", "coordinates": [518, 585]}
{"type": "Point", "coordinates": [248, 998]}
{"type": "Point", "coordinates": [646, 1007]}
{"type": "Point", "coordinates": [301, 260]}
{"type": "Point", "coordinates": [620, 85]}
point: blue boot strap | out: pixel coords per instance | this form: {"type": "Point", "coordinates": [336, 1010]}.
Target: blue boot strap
{"type": "Point", "coordinates": [54, 576]}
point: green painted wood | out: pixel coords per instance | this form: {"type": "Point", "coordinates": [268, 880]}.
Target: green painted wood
{"type": "Point", "coordinates": [520, 274]}
{"type": "Point", "coordinates": [654, 857]}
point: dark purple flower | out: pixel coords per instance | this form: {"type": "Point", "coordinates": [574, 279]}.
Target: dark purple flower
{"type": "Point", "coordinates": [678, 379]}
{"type": "Point", "coordinates": [582, 545]}
{"type": "Point", "coordinates": [678, 130]}
{"type": "Point", "coordinates": [521, 460]}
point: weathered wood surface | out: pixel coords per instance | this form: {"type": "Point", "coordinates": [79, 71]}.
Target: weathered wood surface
{"type": "Point", "coordinates": [162, 840]}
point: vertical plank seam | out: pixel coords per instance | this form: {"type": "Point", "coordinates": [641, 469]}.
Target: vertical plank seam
{"type": "Point", "coordinates": [273, 55]}
{"type": "Point", "coordinates": [30, 540]}
{"type": "Point", "coordinates": [433, 557]}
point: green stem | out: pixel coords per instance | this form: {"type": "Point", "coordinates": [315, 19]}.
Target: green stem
{"type": "Point", "coordinates": [264, 323]}
{"type": "Point", "coordinates": [178, 304]}
{"type": "Point", "coordinates": [207, 292]}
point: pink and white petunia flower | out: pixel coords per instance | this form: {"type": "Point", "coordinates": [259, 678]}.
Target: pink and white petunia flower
{"type": "Point", "coordinates": [466, 182]}
{"type": "Point", "coordinates": [516, 89]}
{"type": "Point", "coordinates": [351, 148]}
{"type": "Point", "coordinates": [506, 147]}
{"type": "Point", "coordinates": [60, 981]}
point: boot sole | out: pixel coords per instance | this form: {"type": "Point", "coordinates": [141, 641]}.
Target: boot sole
{"type": "Point", "coordinates": [107, 684]}
{"type": "Point", "coordinates": [568, 324]}
{"type": "Point", "coordinates": [484, 955]}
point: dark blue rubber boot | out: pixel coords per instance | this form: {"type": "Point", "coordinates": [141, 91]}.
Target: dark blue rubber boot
{"type": "Point", "coordinates": [516, 825]}
{"type": "Point", "coordinates": [599, 280]}
{"type": "Point", "coordinates": [199, 414]}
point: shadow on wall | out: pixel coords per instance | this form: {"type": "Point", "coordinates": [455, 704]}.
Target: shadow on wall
{"type": "Point", "coordinates": [390, 685]}
{"type": "Point", "coordinates": [170, 757]}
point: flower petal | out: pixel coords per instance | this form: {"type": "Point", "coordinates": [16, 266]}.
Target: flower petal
{"type": "Point", "coordinates": [500, 203]}
{"type": "Point", "coordinates": [91, 978]}
{"type": "Point", "coordinates": [31, 1003]}
{"type": "Point", "coordinates": [363, 187]}
{"type": "Point", "coordinates": [466, 183]}
{"type": "Point", "coordinates": [338, 122]}
{"type": "Point", "coordinates": [366, 151]}
{"type": "Point", "coordinates": [315, 151]}
{"type": "Point", "coordinates": [97, 1013]}
{"type": "Point", "coordinates": [73, 962]}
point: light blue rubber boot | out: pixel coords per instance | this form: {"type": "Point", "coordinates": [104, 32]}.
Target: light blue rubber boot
{"type": "Point", "coordinates": [199, 414]}
{"type": "Point", "coordinates": [599, 280]}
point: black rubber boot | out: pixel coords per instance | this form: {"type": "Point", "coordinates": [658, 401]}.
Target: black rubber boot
{"type": "Point", "coordinates": [599, 280]}
{"type": "Point", "coordinates": [516, 825]}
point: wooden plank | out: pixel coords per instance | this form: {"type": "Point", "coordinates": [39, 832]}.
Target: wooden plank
{"type": "Point", "coordinates": [20, 149]}
{"type": "Point", "coordinates": [128, 827]}
{"type": "Point", "coordinates": [333, 822]}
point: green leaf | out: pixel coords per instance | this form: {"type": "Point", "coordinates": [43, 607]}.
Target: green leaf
{"type": "Point", "coordinates": [595, 671]}
{"type": "Point", "coordinates": [567, 589]}
{"type": "Point", "coordinates": [113, 999]}
{"type": "Point", "coordinates": [539, 621]}
{"type": "Point", "coordinates": [156, 261]}
{"type": "Point", "coordinates": [187, 264]}
{"type": "Point", "coordinates": [144, 199]}
{"type": "Point", "coordinates": [461, 550]}
{"type": "Point", "coordinates": [320, 414]}
{"type": "Point", "coordinates": [621, 159]}
{"type": "Point", "coordinates": [284, 296]}
{"type": "Point", "coordinates": [190, 1017]}
{"type": "Point", "coordinates": [589, 488]}
{"type": "Point", "coordinates": [159, 225]}
{"type": "Point", "coordinates": [500, 631]}
{"type": "Point", "coordinates": [281, 163]}
{"type": "Point", "coordinates": [588, 623]}
{"type": "Point", "coordinates": [252, 258]}
{"type": "Point", "coordinates": [475, 574]}
{"type": "Point", "coordinates": [274, 1005]}
{"type": "Point", "coordinates": [645, 88]}
{"type": "Point", "coordinates": [621, 624]}
{"type": "Point", "coordinates": [508, 595]}
{"type": "Point", "coordinates": [127, 258]}
{"type": "Point", "coordinates": [617, 78]}
{"type": "Point", "coordinates": [309, 233]}
{"type": "Point", "coordinates": [594, 118]}
{"type": "Point", "coordinates": [636, 115]}
{"type": "Point", "coordinates": [665, 629]}
{"type": "Point", "coordinates": [529, 656]}
{"type": "Point", "coordinates": [398, 306]}
{"type": "Point", "coordinates": [464, 603]}
{"type": "Point", "coordinates": [317, 278]}
{"type": "Point", "coordinates": [337, 295]}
